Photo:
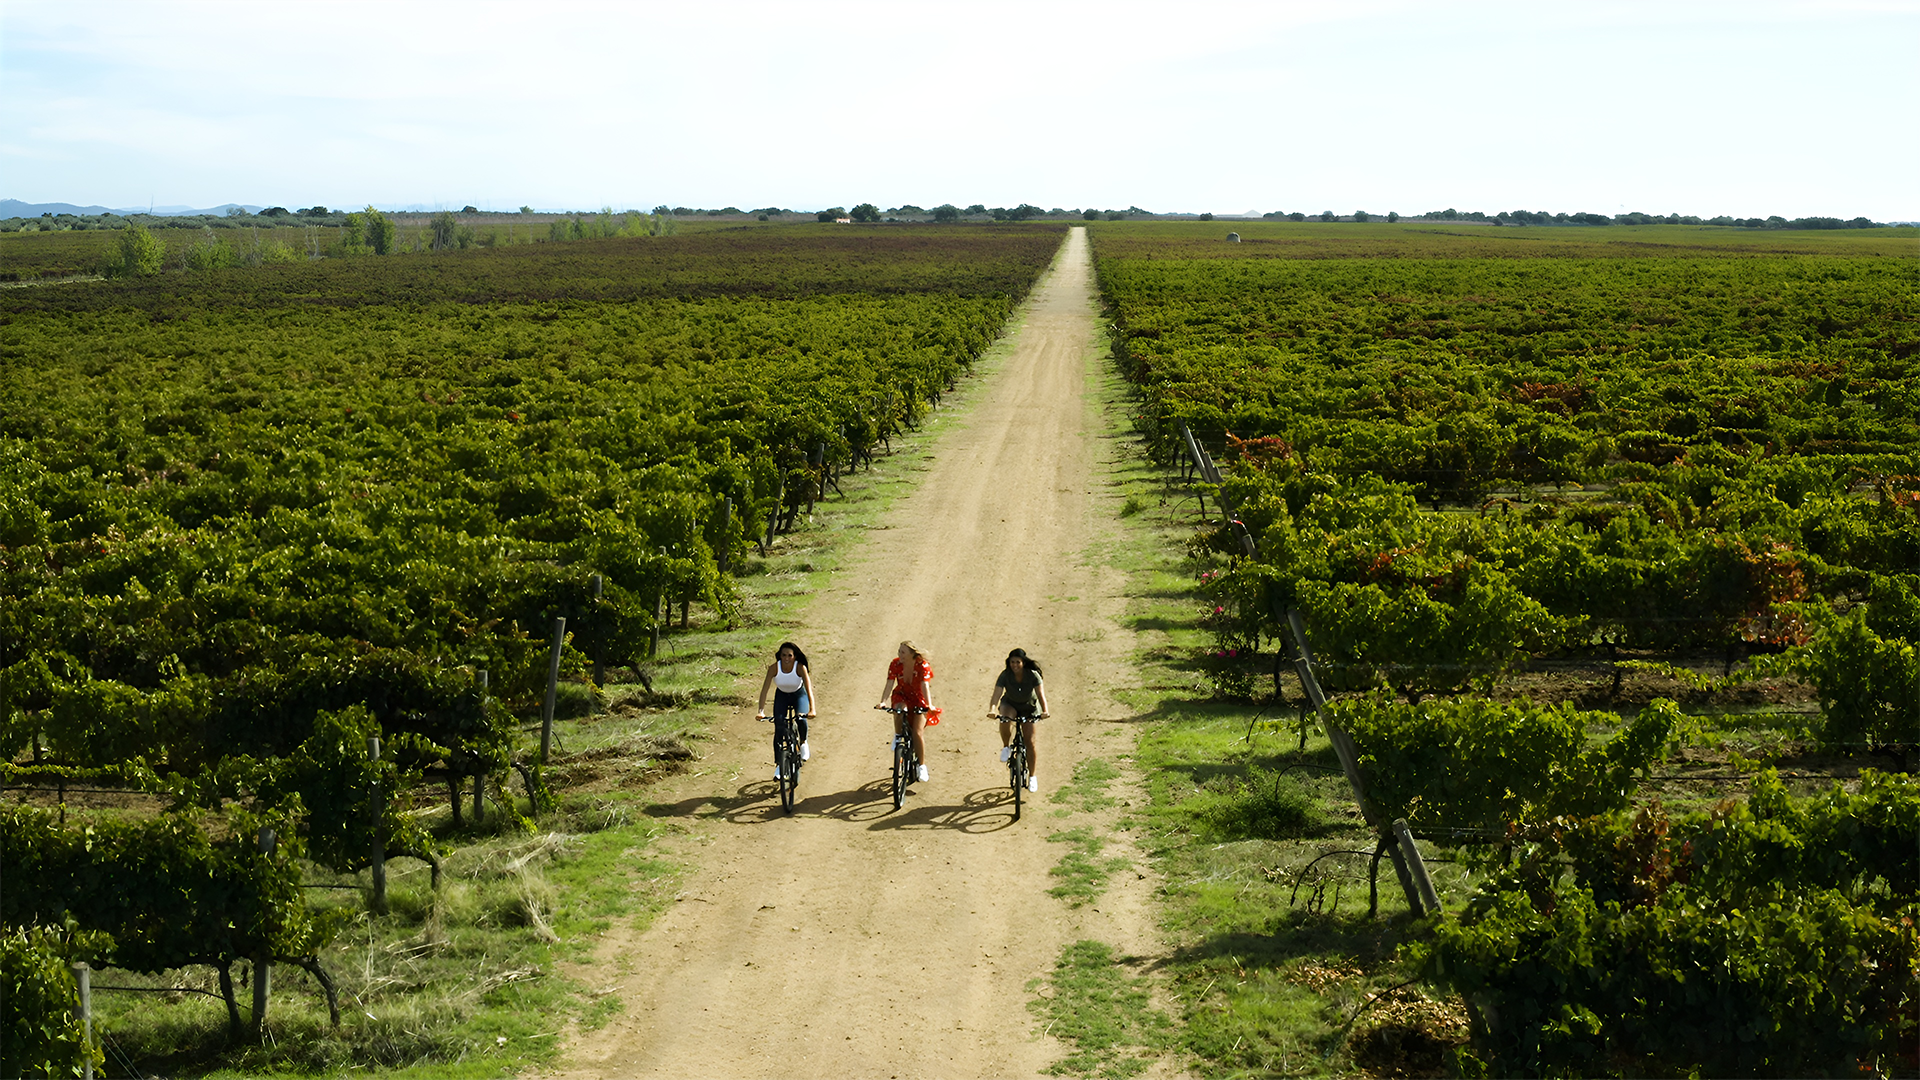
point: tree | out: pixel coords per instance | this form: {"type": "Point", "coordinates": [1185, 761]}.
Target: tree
{"type": "Point", "coordinates": [946, 212]}
{"type": "Point", "coordinates": [977, 208]}
{"type": "Point", "coordinates": [444, 228]}
{"type": "Point", "coordinates": [526, 209]}
{"type": "Point", "coordinates": [1296, 216]}
{"type": "Point", "coordinates": [866, 213]}
{"type": "Point", "coordinates": [1362, 215]}
{"type": "Point", "coordinates": [831, 213]}
{"type": "Point", "coordinates": [1091, 214]}
{"type": "Point", "coordinates": [138, 254]}
{"type": "Point", "coordinates": [315, 211]}
{"type": "Point", "coordinates": [380, 231]}
{"type": "Point", "coordinates": [274, 211]}
{"type": "Point", "coordinates": [1328, 215]}
{"type": "Point", "coordinates": [1206, 217]}
{"type": "Point", "coordinates": [1393, 215]}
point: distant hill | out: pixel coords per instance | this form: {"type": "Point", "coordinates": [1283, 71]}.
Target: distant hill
{"type": "Point", "coordinates": [16, 208]}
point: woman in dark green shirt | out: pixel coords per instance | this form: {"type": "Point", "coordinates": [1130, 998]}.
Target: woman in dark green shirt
{"type": "Point", "coordinates": [1020, 694]}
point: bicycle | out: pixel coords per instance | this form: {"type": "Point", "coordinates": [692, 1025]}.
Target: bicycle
{"type": "Point", "coordinates": [786, 755]}
{"type": "Point", "coordinates": [905, 761]}
{"type": "Point", "coordinates": [1018, 755]}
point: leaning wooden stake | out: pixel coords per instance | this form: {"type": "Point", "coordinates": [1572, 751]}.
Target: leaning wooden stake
{"type": "Point", "coordinates": [1344, 749]}
{"type": "Point", "coordinates": [1416, 867]}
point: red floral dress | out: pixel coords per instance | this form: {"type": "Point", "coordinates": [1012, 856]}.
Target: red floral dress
{"type": "Point", "coordinates": [909, 693]}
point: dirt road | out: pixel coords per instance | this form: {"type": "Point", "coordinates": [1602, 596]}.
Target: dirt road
{"type": "Point", "coordinates": [854, 940]}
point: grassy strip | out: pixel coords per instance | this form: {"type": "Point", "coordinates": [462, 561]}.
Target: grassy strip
{"type": "Point", "coordinates": [1090, 1001]}
{"type": "Point", "coordinates": [489, 976]}
{"type": "Point", "coordinates": [1275, 960]}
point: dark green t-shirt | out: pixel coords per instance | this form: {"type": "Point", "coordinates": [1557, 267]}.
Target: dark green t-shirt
{"type": "Point", "coordinates": [1018, 694]}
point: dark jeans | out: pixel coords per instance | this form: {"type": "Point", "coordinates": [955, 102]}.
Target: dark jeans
{"type": "Point", "coordinates": [783, 703]}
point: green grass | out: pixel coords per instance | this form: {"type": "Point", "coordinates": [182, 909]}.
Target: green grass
{"type": "Point", "coordinates": [1082, 872]}
{"type": "Point", "coordinates": [1087, 791]}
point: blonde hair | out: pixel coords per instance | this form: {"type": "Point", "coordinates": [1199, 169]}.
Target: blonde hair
{"type": "Point", "coordinates": [915, 650]}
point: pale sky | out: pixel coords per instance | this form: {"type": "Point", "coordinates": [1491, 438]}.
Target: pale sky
{"type": "Point", "coordinates": [1753, 107]}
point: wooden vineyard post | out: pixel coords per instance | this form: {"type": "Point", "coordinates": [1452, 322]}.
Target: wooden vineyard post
{"type": "Point", "coordinates": [263, 959]}
{"type": "Point", "coordinates": [599, 665]}
{"type": "Point", "coordinates": [1417, 867]}
{"type": "Point", "coordinates": [819, 462]}
{"type": "Point", "coordinates": [1343, 748]}
{"type": "Point", "coordinates": [1193, 450]}
{"type": "Point", "coordinates": [553, 688]}
{"type": "Point", "coordinates": [83, 975]}
{"type": "Point", "coordinates": [726, 533]}
{"type": "Point", "coordinates": [377, 862]}
{"type": "Point", "coordinates": [653, 643]}
{"type": "Point", "coordinates": [773, 515]}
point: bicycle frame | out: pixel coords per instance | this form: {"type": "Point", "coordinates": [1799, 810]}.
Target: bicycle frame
{"type": "Point", "coordinates": [905, 759]}
{"type": "Point", "coordinates": [786, 754]}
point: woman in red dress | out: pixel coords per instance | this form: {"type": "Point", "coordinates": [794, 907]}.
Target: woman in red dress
{"type": "Point", "coordinates": [908, 679]}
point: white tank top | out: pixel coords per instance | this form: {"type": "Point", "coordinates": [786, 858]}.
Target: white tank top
{"type": "Point", "coordinates": [785, 680]}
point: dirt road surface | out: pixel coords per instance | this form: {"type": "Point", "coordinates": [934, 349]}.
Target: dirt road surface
{"type": "Point", "coordinates": [854, 940]}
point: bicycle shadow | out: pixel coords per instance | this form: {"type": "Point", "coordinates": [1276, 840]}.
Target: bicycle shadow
{"type": "Point", "coordinates": [757, 802]}
{"type": "Point", "coordinates": [987, 810]}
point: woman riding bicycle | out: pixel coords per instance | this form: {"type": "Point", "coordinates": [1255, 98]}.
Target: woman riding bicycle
{"type": "Point", "coordinates": [908, 679]}
{"type": "Point", "coordinates": [792, 687]}
{"type": "Point", "coordinates": [1019, 694]}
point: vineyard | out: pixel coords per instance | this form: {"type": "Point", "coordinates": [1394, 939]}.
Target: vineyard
{"type": "Point", "coordinates": [293, 550]}
{"type": "Point", "coordinates": [1558, 511]}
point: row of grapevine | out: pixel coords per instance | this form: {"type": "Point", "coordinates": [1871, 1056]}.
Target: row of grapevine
{"type": "Point", "coordinates": [252, 519]}
{"type": "Point", "coordinates": [1639, 514]}
{"type": "Point", "coordinates": [1670, 458]}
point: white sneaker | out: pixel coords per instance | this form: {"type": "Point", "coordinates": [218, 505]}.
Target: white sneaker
{"type": "Point", "coordinates": [806, 752]}
{"type": "Point", "coordinates": [776, 773]}
{"type": "Point", "coordinates": [923, 774]}
{"type": "Point", "coordinates": [1033, 783]}
{"type": "Point", "coordinates": [1006, 752]}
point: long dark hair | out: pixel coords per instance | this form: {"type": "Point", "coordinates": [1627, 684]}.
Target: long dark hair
{"type": "Point", "coordinates": [799, 658]}
{"type": "Point", "coordinates": [1031, 664]}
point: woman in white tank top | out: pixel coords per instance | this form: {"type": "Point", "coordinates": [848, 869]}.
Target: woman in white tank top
{"type": "Point", "coordinates": [792, 686]}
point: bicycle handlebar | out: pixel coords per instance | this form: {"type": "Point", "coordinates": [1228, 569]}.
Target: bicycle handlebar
{"type": "Point", "coordinates": [991, 715]}
{"type": "Point", "coordinates": [897, 709]}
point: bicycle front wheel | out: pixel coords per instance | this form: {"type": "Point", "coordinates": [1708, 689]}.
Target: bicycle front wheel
{"type": "Point", "coordinates": [902, 769]}
{"type": "Point", "coordinates": [1017, 772]}
{"type": "Point", "coordinates": [789, 775]}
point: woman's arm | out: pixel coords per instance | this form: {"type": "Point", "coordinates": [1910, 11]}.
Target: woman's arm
{"type": "Point", "coordinates": [926, 688]}
{"type": "Point", "coordinates": [886, 694]}
{"type": "Point", "coordinates": [1040, 694]}
{"type": "Point", "coordinates": [806, 683]}
{"type": "Point", "coordinates": [993, 703]}
{"type": "Point", "coordinates": [764, 683]}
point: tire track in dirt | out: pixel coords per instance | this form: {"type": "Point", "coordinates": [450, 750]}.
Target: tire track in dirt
{"type": "Point", "coordinates": [855, 940]}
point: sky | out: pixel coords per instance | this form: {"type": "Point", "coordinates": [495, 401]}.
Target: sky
{"type": "Point", "coordinates": [1748, 108]}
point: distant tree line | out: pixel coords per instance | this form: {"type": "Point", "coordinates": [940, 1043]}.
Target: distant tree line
{"type": "Point", "coordinates": [1542, 217]}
